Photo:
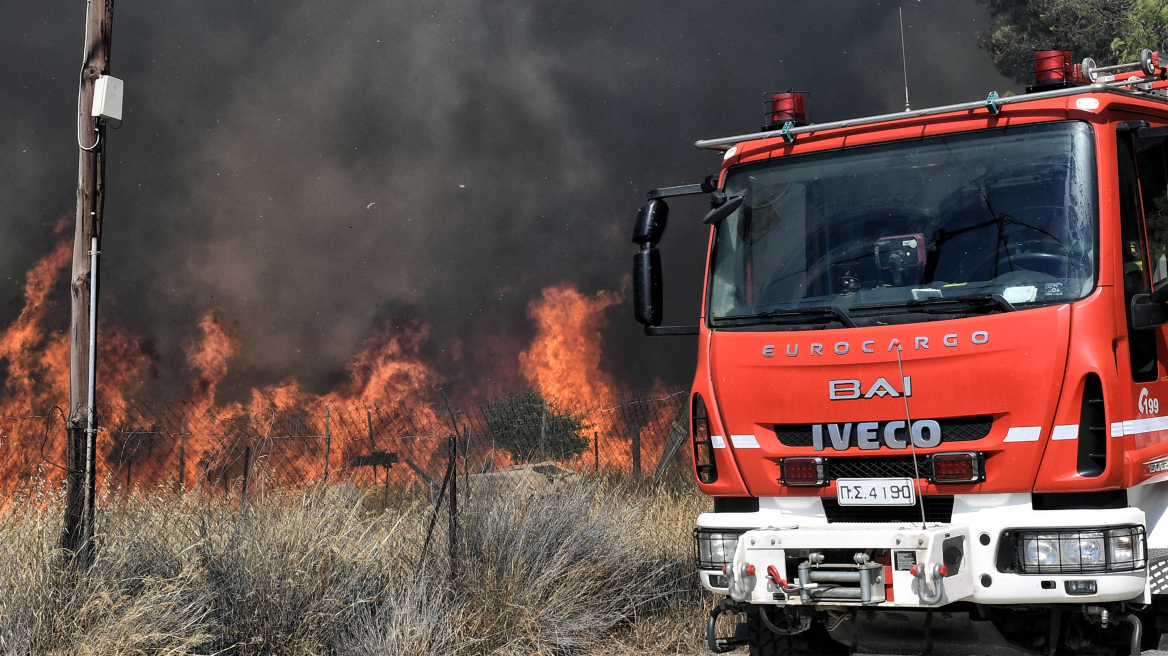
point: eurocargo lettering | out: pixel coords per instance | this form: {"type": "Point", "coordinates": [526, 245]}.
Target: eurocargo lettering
{"type": "Point", "coordinates": [931, 355]}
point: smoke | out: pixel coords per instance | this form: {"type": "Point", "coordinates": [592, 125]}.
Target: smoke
{"type": "Point", "coordinates": [321, 173]}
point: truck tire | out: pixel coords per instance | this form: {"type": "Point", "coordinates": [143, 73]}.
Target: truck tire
{"type": "Point", "coordinates": [815, 641]}
{"type": "Point", "coordinates": [1156, 631]}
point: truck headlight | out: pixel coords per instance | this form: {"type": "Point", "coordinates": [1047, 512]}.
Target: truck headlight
{"type": "Point", "coordinates": [1055, 551]}
{"type": "Point", "coordinates": [1042, 551]}
{"type": "Point", "coordinates": [715, 548]}
{"type": "Point", "coordinates": [1085, 550]}
{"type": "Point", "coordinates": [1126, 546]}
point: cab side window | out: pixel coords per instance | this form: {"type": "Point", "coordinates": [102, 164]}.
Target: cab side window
{"type": "Point", "coordinates": [1141, 344]}
{"type": "Point", "coordinates": [1152, 169]}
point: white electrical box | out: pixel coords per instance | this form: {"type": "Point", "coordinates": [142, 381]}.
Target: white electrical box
{"type": "Point", "coordinates": [107, 98]}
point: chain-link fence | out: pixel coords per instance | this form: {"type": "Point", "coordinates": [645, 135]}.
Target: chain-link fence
{"type": "Point", "coordinates": [538, 525]}
{"type": "Point", "coordinates": [520, 444]}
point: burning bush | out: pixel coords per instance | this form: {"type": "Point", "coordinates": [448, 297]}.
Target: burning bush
{"type": "Point", "coordinates": [531, 427]}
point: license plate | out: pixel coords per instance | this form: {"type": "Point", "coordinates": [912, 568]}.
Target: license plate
{"type": "Point", "coordinates": [875, 492]}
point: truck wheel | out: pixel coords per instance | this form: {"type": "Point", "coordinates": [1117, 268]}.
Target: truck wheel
{"type": "Point", "coordinates": [814, 641]}
{"type": "Point", "coordinates": [1156, 635]}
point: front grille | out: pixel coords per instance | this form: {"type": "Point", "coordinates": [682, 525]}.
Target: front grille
{"type": "Point", "coordinates": [832, 469]}
{"type": "Point", "coordinates": [965, 429]}
{"type": "Point", "coordinates": [953, 429]}
{"type": "Point", "coordinates": [897, 467]}
{"type": "Point", "coordinates": [799, 434]}
{"type": "Point", "coordinates": [937, 509]}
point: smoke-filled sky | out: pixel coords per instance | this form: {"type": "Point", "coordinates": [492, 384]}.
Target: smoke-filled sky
{"type": "Point", "coordinates": [316, 170]}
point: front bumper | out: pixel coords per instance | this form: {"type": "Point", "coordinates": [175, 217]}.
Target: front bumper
{"type": "Point", "coordinates": [776, 538]}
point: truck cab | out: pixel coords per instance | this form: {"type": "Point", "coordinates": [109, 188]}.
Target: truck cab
{"type": "Point", "coordinates": [932, 352]}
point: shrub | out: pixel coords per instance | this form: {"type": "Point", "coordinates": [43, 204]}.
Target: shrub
{"type": "Point", "coordinates": [595, 567]}
{"type": "Point", "coordinates": [530, 427]}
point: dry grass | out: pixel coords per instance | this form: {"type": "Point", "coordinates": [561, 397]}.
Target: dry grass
{"type": "Point", "coordinates": [597, 567]}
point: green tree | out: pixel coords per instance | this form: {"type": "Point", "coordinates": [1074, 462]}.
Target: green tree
{"type": "Point", "coordinates": [1108, 31]}
{"type": "Point", "coordinates": [518, 421]}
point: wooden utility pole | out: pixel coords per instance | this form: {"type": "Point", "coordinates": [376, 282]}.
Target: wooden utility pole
{"type": "Point", "coordinates": [80, 478]}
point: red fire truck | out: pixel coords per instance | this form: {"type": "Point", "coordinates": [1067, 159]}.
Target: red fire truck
{"type": "Point", "coordinates": [931, 359]}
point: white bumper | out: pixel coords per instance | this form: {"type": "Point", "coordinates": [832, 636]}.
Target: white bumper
{"type": "Point", "coordinates": [786, 530]}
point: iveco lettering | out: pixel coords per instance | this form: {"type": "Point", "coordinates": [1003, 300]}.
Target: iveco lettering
{"type": "Point", "coordinates": [930, 359]}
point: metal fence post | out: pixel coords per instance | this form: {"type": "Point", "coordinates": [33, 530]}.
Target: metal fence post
{"type": "Point", "coordinates": [637, 451]}
{"type": "Point", "coordinates": [596, 449]}
{"type": "Point", "coordinates": [543, 431]}
{"type": "Point", "coordinates": [327, 442]}
{"type": "Point", "coordinates": [373, 448]}
{"type": "Point", "coordinates": [452, 473]}
{"type": "Point", "coordinates": [453, 469]}
{"type": "Point", "coordinates": [369, 421]}
{"type": "Point", "coordinates": [466, 466]}
{"type": "Point", "coordinates": [182, 455]}
{"type": "Point", "coordinates": [246, 473]}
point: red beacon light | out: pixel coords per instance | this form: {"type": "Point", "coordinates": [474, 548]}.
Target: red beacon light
{"type": "Point", "coordinates": [1053, 69]}
{"type": "Point", "coordinates": [785, 107]}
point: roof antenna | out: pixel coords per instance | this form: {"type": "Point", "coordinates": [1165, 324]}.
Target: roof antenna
{"type": "Point", "coordinates": [903, 59]}
{"type": "Point", "coordinates": [912, 443]}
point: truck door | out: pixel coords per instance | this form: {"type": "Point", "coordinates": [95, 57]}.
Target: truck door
{"type": "Point", "coordinates": [1143, 188]}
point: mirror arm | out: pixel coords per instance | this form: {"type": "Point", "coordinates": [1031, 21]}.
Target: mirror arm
{"type": "Point", "coordinates": [666, 331]}
{"type": "Point", "coordinates": [708, 186]}
{"type": "Point", "coordinates": [669, 192]}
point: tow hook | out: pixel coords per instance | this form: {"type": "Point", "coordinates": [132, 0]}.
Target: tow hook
{"type": "Point", "coordinates": [929, 594]}
{"type": "Point", "coordinates": [740, 580]}
{"type": "Point", "coordinates": [1098, 613]}
{"type": "Point", "coordinates": [722, 645]}
{"type": "Point", "coordinates": [773, 575]}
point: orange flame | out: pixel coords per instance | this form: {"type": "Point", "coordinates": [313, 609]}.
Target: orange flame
{"type": "Point", "coordinates": [37, 368]}
{"type": "Point", "coordinates": [388, 371]}
{"type": "Point", "coordinates": [216, 440]}
{"type": "Point", "coordinates": [37, 364]}
{"type": "Point", "coordinates": [563, 361]}
{"type": "Point", "coordinates": [208, 357]}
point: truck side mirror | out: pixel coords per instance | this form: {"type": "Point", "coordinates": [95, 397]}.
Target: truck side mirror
{"type": "Point", "coordinates": [647, 231]}
{"type": "Point", "coordinates": [650, 223]}
{"type": "Point", "coordinates": [647, 285]}
{"type": "Point", "coordinates": [723, 209]}
{"type": "Point", "coordinates": [1147, 313]}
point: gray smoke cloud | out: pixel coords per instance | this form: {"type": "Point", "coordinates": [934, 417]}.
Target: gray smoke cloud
{"type": "Point", "coordinates": [317, 170]}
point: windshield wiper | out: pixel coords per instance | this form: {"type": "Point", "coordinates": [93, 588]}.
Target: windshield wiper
{"type": "Point", "coordinates": [972, 299]}
{"type": "Point", "coordinates": [823, 311]}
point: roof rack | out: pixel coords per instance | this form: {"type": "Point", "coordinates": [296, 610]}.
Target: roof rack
{"type": "Point", "coordinates": [993, 103]}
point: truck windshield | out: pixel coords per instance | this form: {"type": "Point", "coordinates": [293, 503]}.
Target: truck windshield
{"type": "Point", "coordinates": [974, 222]}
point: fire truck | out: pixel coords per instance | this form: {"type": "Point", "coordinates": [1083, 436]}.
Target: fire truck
{"type": "Point", "coordinates": [931, 359]}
